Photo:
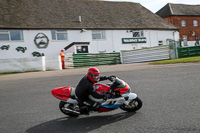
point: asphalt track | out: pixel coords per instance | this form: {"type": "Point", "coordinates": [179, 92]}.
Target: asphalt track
{"type": "Point", "coordinates": [170, 94]}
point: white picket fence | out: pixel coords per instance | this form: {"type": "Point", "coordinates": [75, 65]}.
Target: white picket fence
{"type": "Point", "coordinates": [143, 55]}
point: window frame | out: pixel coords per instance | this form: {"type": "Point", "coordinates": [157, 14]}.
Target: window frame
{"type": "Point", "coordinates": [195, 24]}
{"type": "Point", "coordinates": [160, 43]}
{"type": "Point", "coordinates": [137, 33]}
{"type": "Point", "coordinates": [10, 34]}
{"type": "Point", "coordinates": [197, 39]}
{"type": "Point", "coordinates": [55, 33]}
{"type": "Point", "coordinates": [183, 23]}
{"type": "Point", "coordinates": [185, 40]}
{"type": "Point", "coordinates": [102, 34]}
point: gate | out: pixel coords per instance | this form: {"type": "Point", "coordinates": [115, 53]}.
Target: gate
{"type": "Point", "coordinates": [173, 45]}
{"type": "Point", "coordinates": [92, 59]}
{"type": "Point", "coordinates": [189, 51]}
{"type": "Point", "coordinates": [143, 55]}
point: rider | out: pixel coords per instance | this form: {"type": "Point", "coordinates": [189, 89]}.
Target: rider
{"type": "Point", "coordinates": [85, 88]}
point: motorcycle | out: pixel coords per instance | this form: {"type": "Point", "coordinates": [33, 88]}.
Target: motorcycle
{"type": "Point", "coordinates": [121, 98]}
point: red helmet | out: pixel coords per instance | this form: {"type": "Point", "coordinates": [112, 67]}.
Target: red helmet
{"type": "Point", "coordinates": [93, 74]}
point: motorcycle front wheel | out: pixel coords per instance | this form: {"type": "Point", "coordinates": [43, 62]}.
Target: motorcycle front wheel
{"type": "Point", "coordinates": [65, 105]}
{"type": "Point", "coordinates": [133, 106]}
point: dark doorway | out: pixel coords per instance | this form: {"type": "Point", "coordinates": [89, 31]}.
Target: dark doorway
{"type": "Point", "coordinates": [82, 49]}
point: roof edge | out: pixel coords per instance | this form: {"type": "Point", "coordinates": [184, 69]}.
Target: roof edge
{"type": "Point", "coordinates": [170, 8]}
{"type": "Point", "coordinates": [46, 28]}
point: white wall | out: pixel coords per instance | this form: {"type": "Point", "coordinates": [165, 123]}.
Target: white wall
{"type": "Point", "coordinates": [30, 64]}
{"type": "Point", "coordinates": [189, 43]}
{"type": "Point", "coordinates": [22, 64]}
{"type": "Point", "coordinates": [53, 63]}
{"type": "Point", "coordinates": [113, 42]}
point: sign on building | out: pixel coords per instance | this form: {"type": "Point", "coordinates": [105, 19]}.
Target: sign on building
{"type": "Point", "coordinates": [134, 40]}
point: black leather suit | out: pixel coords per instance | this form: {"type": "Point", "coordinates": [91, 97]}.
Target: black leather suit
{"type": "Point", "coordinates": [85, 88]}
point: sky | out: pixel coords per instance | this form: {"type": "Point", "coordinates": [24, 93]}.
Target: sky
{"type": "Point", "coordinates": [155, 5]}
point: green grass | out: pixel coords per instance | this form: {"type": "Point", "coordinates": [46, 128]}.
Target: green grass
{"type": "Point", "coordinates": [174, 61]}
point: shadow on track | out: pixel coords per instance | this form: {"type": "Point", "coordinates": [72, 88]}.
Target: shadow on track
{"type": "Point", "coordinates": [79, 124]}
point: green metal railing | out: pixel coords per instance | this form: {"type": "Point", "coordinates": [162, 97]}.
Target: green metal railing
{"type": "Point", "coordinates": [90, 59]}
{"type": "Point", "coordinates": [188, 51]}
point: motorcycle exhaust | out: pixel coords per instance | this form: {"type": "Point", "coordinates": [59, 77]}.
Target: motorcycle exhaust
{"type": "Point", "coordinates": [71, 111]}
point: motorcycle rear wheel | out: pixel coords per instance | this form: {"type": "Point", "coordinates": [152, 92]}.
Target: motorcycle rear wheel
{"type": "Point", "coordinates": [133, 106]}
{"type": "Point", "coordinates": [63, 105]}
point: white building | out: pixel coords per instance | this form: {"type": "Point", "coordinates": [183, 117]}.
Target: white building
{"type": "Point", "coordinates": [78, 26]}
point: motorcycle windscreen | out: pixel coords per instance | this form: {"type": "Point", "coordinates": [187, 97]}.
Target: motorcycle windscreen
{"type": "Point", "coordinates": [62, 93]}
{"type": "Point", "coordinates": [120, 86]}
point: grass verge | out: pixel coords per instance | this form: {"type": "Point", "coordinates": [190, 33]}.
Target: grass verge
{"type": "Point", "coordinates": [180, 60]}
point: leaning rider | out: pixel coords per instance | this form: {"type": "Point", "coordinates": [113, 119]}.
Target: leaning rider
{"type": "Point", "coordinates": [85, 88]}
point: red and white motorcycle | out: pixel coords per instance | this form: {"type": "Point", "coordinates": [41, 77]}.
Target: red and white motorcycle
{"type": "Point", "coordinates": [121, 98]}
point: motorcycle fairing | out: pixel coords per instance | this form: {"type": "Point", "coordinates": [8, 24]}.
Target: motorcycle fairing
{"type": "Point", "coordinates": [118, 86]}
{"type": "Point", "coordinates": [62, 93]}
{"type": "Point", "coordinates": [70, 100]}
{"type": "Point", "coordinates": [111, 104]}
{"type": "Point", "coordinates": [111, 107]}
{"type": "Point", "coordinates": [103, 109]}
{"type": "Point", "coordinates": [101, 88]}
{"type": "Point", "coordinates": [130, 96]}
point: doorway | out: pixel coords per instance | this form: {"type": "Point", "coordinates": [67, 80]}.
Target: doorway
{"type": "Point", "coordinates": [81, 49]}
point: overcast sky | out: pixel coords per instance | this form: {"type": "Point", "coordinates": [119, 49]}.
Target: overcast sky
{"type": "Point", "coordinates": [155, 5]}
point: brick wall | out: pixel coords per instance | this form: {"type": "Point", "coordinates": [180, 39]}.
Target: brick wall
{"type": "Point", "coordinates": [188, 29]}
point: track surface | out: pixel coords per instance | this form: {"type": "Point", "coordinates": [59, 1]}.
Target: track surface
{"type": "Point", "coordinates": [170, 94]}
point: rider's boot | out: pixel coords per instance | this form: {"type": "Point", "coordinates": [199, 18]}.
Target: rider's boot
{"type": "Point", "coordinates": [84, 109]}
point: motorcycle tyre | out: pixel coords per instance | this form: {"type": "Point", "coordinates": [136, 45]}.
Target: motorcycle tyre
{"type": "Point", "coordinates": [61, 105]}
{"type": "Point", "coordinates": [138, 106]}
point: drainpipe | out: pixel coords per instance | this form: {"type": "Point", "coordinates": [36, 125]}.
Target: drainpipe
{"type": "Point", "coordinates": [176, 52]}
{"type": "Point", "coordinates": [150, 38]}
{"type": "Point", "coordinates": [113, 43]}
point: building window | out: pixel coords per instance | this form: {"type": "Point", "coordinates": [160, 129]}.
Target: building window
{"type": "Point", "coordinates": [183, 23]}
{"type": "Point", "coordinates": [59, 35]}
{"type": "Point", "coordinates": [138, 33]}
{"type": "Point", "coordinates": [82, 49]}
{"type": "Point", "coordinates": [11, 35]}
{"type": "Point", "coordinates": [160, 43]}
{"type": "Point", "coordinates": [197, 40]}
{"type": "Point", "coordinates": [195, 23]}
{"type": "Point", "coordinates": [185, 40]}
{"type": "Point", "coordinates": [98, 35]}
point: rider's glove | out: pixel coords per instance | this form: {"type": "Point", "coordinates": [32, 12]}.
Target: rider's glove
{"type": "Point", "coordinates": [106, 77]}
{"type": "Point", "coordinates": [109, 78]}
{"type": "Point", "coordinates": [112, 78]}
